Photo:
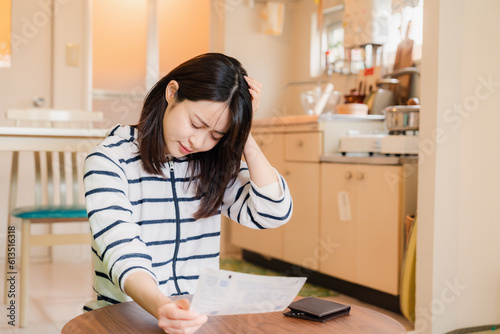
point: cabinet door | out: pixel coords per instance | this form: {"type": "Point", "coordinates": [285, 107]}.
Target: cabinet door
{"type": "Point", "coordinates": [303, 146]}
{"type": "Point", "coordinates": [267, 242]}
{"type": "Point", "coordinates": [337, 221]}
{"type": "Point", "coordinates": [302, 231]}
{"type": "Point", "coordinates": [378, 227]}
{"type": "Point", "coordinates": [272, 144]}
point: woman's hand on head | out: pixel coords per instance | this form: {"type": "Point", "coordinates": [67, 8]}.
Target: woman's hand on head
{"type": "Point", "coordinates": [255, 91]}
{"type": "Point", "coordinates": [175, 317]}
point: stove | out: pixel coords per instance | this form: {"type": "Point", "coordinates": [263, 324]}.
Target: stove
{"type": "Point", "coordinates": [361, 143]}
{"type": "Point", "coordinates": [399, 144]}
{"type": "Point", "coordinates": [379, 143]}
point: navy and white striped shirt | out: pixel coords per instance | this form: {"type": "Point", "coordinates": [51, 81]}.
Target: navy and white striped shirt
{"type": "Point", "coordinates": [145, 222]}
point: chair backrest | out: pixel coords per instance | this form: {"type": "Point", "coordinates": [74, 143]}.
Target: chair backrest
{"type": "Point", "coordinates": [57, 176]}
{"type": "Point", "coordinates": [58, 179]}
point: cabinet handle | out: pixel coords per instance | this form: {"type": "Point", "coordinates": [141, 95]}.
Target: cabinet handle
{"type": "Point", "coordinates": [300, 143]}
{"type": "Point", "coordinates": [286, 172]}
{"type": "Point", "coordinates": [361, 176]}
{"type": "Point", "coordinates": [348, 175]}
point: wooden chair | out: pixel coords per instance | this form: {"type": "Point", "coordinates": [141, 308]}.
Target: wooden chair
{"type": "Point", "coordinates": [58, 191]}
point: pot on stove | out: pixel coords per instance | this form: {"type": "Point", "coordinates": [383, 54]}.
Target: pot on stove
{"type": "Point", "coordinates": [399, 119]}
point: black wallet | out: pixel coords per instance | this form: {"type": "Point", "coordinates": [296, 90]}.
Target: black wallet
{"type": "Point", "coordinates": [315, 309]}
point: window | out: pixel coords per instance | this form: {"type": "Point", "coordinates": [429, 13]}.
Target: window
{"type": "Point", "coordinates": [335, 59]}
{"type": "Point", "coordinates": [401, 15]}
{"type": "Point", "coordinates": [332, 39]}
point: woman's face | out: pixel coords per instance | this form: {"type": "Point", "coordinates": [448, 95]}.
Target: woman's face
{"type": "Point", "coordinates": [191, 127]}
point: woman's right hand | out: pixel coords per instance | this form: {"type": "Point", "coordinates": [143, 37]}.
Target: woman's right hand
{"type": "Point", "coordinates": [255, 92]}
{"type": "Point", "coordinates": [176, 317]}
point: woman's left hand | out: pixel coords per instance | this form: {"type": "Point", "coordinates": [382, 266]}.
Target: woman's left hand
{"type": "Point", "coordinates": [255, 91]}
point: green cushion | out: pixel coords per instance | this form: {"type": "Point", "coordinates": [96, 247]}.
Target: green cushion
{"type": "Point", "coordinates": [41, 212]}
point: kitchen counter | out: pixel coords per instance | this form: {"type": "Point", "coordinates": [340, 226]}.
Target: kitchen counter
{"type": "Point", "coordinates": [286, 120]}
{"type": "Point", "coordinates": [313, 119]}
{"type": "Point", "coordinates": [369, 160]}
{"type": "Point", "coordinates": [341, 117]}
{"type": "Point", "coordinates": [332, 126]}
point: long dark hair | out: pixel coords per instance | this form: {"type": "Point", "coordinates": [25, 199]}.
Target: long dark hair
{"type": "Point", "coordinates": [209, 77]}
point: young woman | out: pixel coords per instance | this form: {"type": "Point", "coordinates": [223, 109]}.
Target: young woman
{"type": "Point", "coordinates": [155, 191]}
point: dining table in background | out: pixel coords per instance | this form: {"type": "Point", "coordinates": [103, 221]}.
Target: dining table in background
{"type": "Point", "coordinates": [130, 318]}
{"type": "Point", "coordinates": [28, 138]}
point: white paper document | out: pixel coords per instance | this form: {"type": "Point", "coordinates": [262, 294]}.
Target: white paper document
{"type": "Point", "coordinates": [223, 292]}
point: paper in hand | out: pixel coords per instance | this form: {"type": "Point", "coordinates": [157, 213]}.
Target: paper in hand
{"type": "Point", "coordinates": [223, 292]}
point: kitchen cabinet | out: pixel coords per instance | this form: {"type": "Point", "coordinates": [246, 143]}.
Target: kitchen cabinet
{"type": "Point", "coordinates": [362, 214]}
{"type": "Point", "coordinates": [348, 213]}
{"type": "Point", "coordinates": [295, 154]}
{"type": "Point", "coordinates": [300, 234]}
{"type": "Point", "coordinates": [339, 236]}
{"type": "Point", "coordinates": [268, 242]}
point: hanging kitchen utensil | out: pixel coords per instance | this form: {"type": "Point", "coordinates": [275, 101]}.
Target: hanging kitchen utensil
{"type": "Point", "coordinates": [404, 59]}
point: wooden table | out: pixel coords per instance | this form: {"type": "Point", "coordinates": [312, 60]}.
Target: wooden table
{"type": "Point", "coordinates": [130, 318]}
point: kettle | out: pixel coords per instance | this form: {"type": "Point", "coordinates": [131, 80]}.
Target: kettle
{"type": "Point", "coordinates": [385, 95]}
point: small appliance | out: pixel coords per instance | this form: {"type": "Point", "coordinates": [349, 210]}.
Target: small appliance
{"type": "Point", "coordinates": [357, 144]}
{"type": "Point", "coordinates": [400, 144]}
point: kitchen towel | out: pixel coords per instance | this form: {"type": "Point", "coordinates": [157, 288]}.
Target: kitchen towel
{"type": "Point", "coordinates": [273, 17]}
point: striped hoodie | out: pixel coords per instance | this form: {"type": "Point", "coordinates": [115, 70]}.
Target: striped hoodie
{"type": "Point", "coordinates": [145, 222]}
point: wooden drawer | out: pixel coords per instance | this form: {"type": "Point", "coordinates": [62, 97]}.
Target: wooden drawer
{"type": "Point", "coordinates": [305, 146]}
{"type": "Point", "coordinates": [273, 147]}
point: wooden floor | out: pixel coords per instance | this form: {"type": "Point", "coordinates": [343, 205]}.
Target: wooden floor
{"type": "Point", "coordinates": [58, 292]}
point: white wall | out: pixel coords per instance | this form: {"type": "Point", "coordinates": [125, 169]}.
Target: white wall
{"type": "Point", "coordinates": [119, 50]}
{"type": "Point", "coordinates": [458, 253]}
{"type": "Point", "coordinates": [70, 80]}
{"type": "Point", "coordinates": [277, 60]}
{"type": "Point", "coordinates": [267, 58]}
